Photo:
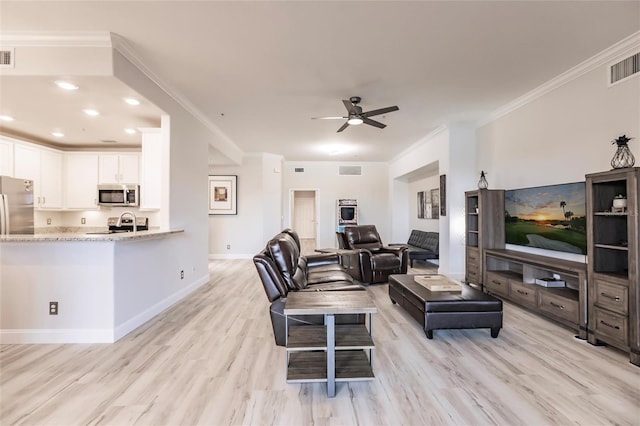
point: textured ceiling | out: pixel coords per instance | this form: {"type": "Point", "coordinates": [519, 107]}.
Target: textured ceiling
{"type": "Point", "coordinates": [260, 70]}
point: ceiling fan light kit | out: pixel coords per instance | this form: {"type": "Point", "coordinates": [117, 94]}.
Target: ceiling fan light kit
{"type": "Point", "coordinates": [357, 116]}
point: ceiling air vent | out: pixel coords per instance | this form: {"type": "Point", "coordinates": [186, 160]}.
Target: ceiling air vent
{"type": "Point", "coordinates": [299, 170]}
{"type": "Point", "coordinates": [6, 58]}
{"type": "Point", "coordinates": [350, 170]}
{"type": "Point", "coordinates": [625, 68]}
{"type": "Point", "coordinates": [108, 141]}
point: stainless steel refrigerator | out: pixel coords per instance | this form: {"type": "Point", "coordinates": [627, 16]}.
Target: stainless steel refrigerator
{"type": "Point", "coordinates": [16, 206]}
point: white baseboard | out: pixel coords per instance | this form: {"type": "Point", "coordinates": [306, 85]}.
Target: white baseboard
{"type": "Point", "coordinates": [217, 256]}
{"type": "Point", "coordinates": [144, 316]}
{"type": "Point", "coordinates": [31, 336]}
{"type": "Point", "coordinates": [40, 336]}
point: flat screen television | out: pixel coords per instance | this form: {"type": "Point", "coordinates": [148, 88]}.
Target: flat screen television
{"type": "Point", "coordinates": [549, 217]}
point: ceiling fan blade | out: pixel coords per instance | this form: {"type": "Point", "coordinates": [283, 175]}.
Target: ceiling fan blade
{"type": "Point", "coordinates": [380, 111]}
{"type": "Point", "coordinates": [344, 126]}
{"type": "Point", "coordinates": [370, 122]}
{"type": "Point", "coordinates": [329, 118]}
{"type": "Point", "coordinates": [350, 107]}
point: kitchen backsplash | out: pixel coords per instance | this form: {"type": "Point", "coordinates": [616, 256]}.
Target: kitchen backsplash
{"type": "Point", "coordinates": [92, 218]}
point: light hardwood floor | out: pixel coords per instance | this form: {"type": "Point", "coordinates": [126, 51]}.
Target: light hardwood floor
{"type": "Point", "coordinates": [211, 360]}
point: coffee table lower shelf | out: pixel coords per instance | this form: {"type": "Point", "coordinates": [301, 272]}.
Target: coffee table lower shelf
{"type": "Point", "coordinates": [352, 365]}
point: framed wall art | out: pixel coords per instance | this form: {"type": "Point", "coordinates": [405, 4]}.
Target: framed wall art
{"type": "Point", "coordinates": [435, 203]}
{"type": "Point", "coordinates": [223, 195]}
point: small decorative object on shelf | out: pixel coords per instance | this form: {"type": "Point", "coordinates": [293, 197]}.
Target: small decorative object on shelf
{"type": "Point", "coordinates": [482, 183]}
{"type": "Point", "coordinates": [619, 203]}
{"type": "Point", "coordinates": [623, 157]}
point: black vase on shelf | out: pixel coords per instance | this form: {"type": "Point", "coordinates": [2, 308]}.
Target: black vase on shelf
{"type": "Point", "coordinates": [623, 157]}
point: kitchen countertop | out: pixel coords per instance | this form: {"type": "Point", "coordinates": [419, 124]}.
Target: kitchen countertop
{"type": "Point", "coordinates": [84, 236]}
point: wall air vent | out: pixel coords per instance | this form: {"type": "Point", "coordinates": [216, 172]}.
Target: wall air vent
{"type": "Point", "coordinates": [7, 58]}
{"type": "Point", "coordinates": [299, 170]}
{"type": "Point", "coordinates": [350, 170]}
{"type": "Point", "coordinates": [624, 69]}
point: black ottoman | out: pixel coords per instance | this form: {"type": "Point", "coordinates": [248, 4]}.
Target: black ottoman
{"type": "Point", "coordinates": [434, 310]}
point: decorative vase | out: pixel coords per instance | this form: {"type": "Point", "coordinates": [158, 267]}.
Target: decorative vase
{"type": "Point", "coordinates": [482, 183]}
{"type": "Point", "coordinates": [623, 157]}
{"type": "Point", "coordinates": [620, 203]}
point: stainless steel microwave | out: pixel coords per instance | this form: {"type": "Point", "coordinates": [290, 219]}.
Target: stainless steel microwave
{"type": "Point", "coordinates": [119, 195]}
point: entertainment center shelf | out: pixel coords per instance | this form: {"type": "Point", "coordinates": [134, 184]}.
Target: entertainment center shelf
{"type": "Point", "coordinates": [512, 275]}
{"type": "Point", "coordinates": [613, 251]}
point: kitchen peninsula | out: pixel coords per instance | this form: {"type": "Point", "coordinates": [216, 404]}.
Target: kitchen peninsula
{"type": "Point", "coordinates": [104, 285]}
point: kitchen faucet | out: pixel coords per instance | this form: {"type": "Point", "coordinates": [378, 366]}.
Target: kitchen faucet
{"type": "Point", "coordinates": [119, 223]}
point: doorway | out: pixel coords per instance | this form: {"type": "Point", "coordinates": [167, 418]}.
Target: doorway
{"type": "Point", "coordinates": [304, 218]}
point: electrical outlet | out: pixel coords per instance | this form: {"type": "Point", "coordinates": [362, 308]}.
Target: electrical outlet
{"type": "Point", "coordinates": [48, 221]}
{"type": "Point", "coordinates": [182, 274]}
{"type": "Point", "coordinates": [228, 246]}
{"type": "Point", "coordinates": [83, 220]}
{"type": "Point", "coordinates": [53, 308]}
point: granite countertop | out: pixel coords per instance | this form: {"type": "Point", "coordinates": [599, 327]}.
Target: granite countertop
{"type": "Point", "coordinates": [86, 236]}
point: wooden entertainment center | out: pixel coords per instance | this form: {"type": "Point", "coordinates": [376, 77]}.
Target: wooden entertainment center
{"type": "Point", "coordinates": [511, 274]}
{"type": "Point", "coordinates": [600, 299]}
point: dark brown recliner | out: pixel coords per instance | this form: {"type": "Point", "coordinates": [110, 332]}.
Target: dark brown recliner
{"type": "Point", "coordinates": [377, 261]}
{"type": "Point", "coordinates": [282, 269]}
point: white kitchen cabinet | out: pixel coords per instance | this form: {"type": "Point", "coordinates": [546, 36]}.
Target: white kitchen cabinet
{"type": "Point", "coordinates": [151, 174]}
{"type": "Point", "coordinates": [119, 168]}
{"type": "Point", "coordinates": [44, 167]}
{"type": "Point", "coordinates": [81, 180]}
{"type": "Point", "coordinates": [51, 178]}
{"type": "Point", "coordinates": [6, 158]}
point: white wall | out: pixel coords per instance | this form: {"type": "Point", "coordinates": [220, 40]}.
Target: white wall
{"type": "Point", "coordinates": [561, 136]}
{"type": "Point", "coordinates": [259, 208]}
{"type": "Point", "coordinates": [186, 199]}
{"type": "Point", "coordinates": [370, 189]}
{"type": "Point", "coordinates": [425, 184]}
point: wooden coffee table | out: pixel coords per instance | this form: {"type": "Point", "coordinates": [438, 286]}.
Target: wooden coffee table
{"type": "Point", "coordinates": [466, 308]}
{"type": "Point", "coordinates": [329, 353]}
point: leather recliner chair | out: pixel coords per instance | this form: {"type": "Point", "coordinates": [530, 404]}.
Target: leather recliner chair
{"type": "Point", "coordinates": [282, 269]}
{"type": "Point", "coordinates": [377, 261]}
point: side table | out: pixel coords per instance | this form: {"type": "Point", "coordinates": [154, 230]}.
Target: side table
{"type": "Point", "coordinates": [329, 353]}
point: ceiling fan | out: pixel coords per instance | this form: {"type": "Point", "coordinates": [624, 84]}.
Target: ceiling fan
{"type": "Point", "coordinates": [356, 116]}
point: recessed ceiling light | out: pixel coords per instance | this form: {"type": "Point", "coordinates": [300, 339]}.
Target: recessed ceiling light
{"type": "Point", "coordinates": [57, 134]}
{"type": "Point", "coordinates": [6, 118]}
{"type": "Point", "coordinates": [91, 112]}
{"type": "Point", "coordinates": [130, 131]}
{"type": "Point", "coordinates": [66, 85]}
{"type": "Point", "coordinates": [132, 101]}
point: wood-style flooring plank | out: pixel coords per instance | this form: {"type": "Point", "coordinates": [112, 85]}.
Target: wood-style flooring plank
{"type": "Point", "coordinates": [211, 360]}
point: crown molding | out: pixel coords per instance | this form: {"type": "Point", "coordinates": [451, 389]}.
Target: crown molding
{"type": "Point", "coordinates": [627, 45]}
{"type": "Point", "coordinates": [225, 146]}
{"type": "Point", "coordinates": [423, 140]}
{"type": "Point", "coordinates": [55, 39]}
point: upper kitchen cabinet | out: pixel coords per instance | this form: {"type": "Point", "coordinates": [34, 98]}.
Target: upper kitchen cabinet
{"type": "Point", "coordinates": [6, 158]}
{"type": "Point", "coordinates": [151, 176]}
{"type": "Point", "coordinates": [81, 180]}
{"type": "Point", "coordinates": [44, 167]}
{"type": "Point", "coordinates": [119, 168]}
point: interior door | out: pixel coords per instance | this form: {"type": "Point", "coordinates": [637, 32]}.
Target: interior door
{"type": "Point", "coordinates": [304, 218]}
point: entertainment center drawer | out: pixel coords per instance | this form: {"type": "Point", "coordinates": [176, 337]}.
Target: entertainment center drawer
{"type": "Point", "coordinates": [612, 296]}
{"type": "Point", "coordinates": [473, 273]}
{"type": "Point", "coordinates": [525, 294]}
{"type": "Point", "coordinates": [559, 306]}
{"type": "Point", "coordinates": [612, 325]}
{"type": "Point", "coordinates": [497, 284]}
{"type": "Point", "coordinates": [473, 256]}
